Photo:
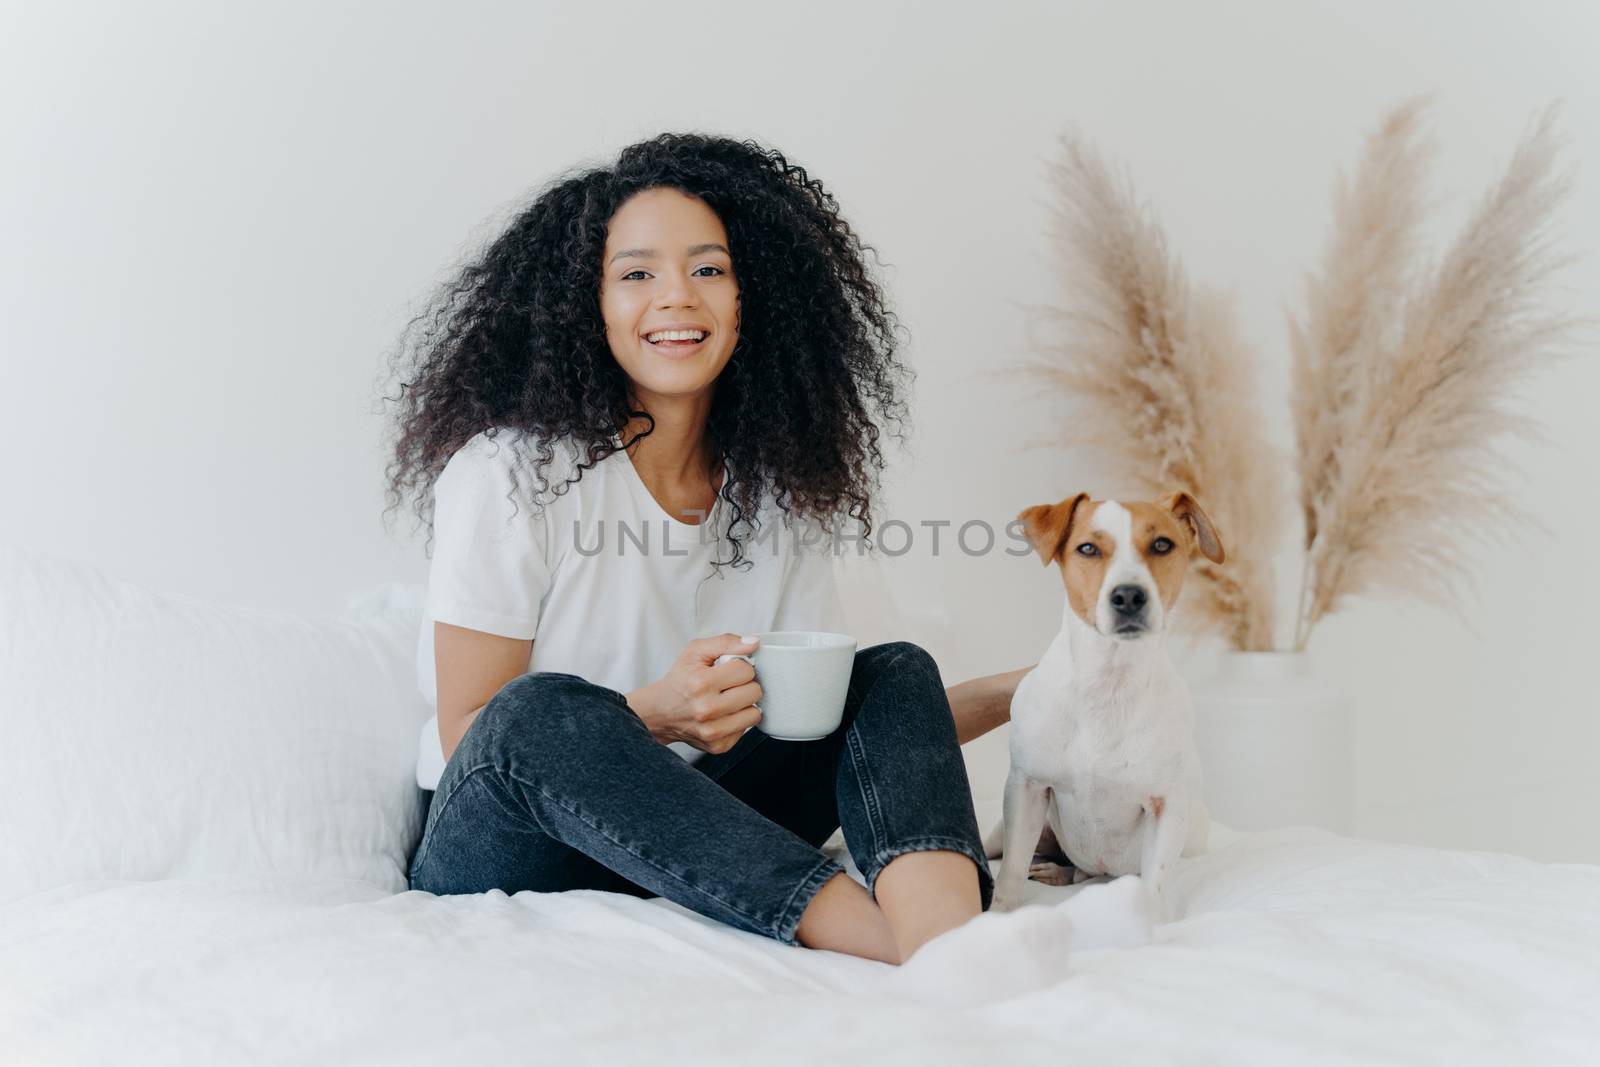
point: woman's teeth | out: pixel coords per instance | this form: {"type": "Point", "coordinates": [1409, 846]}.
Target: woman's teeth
{"type": "Point", "coordinates": [676, 339]}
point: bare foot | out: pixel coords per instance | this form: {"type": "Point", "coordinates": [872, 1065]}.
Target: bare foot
{"type": "Point", "coordinates": [1000, 955]}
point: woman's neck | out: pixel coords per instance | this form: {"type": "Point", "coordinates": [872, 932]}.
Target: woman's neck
{"type": "Point", "coordinates": [677, 452]}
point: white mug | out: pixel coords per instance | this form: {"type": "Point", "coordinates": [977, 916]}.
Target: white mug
{"type": "Point", "coordinates": [804, 677]}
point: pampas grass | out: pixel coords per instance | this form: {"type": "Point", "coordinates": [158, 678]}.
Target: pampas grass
{"type": "Point", "coordinates": [1399, 410]}
{"type": "Point", "coordinates": [1164, 383]}
{"type": "Point", "coordinates": [1401, 372]}
{"type": "Point", "coordinates": [1352, 304]}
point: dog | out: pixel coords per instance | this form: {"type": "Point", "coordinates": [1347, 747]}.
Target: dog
{"type": "Point", "coordinates": [1102, 729]}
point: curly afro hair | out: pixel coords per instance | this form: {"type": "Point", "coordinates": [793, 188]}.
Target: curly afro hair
{"type": "Point", "coordinates": [516, 339]}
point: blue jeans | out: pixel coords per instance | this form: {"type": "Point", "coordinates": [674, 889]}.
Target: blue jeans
{"type": "Point", "coordinates": [558, 785]}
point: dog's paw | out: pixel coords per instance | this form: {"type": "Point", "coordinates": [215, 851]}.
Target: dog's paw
{"type": "Point", "coordinates": [1051, 873]}
{"type": "Point", "coordinates": [1005, 899]}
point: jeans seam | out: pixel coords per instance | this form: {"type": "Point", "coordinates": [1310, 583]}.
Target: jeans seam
{"type": "Point", "coordinates": [697, 890]}
{"type": "Point", "coordinates": [443, 801]}
{"type": "Point", "coordinates": [869, 792]}
{"type": "Point", "coordinates": [801, 898]}
{"type": "Point", "coordinates": [858, 760]}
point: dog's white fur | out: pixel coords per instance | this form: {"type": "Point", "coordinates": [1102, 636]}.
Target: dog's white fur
{"type": "Point", "coordinates": [1102, 745]}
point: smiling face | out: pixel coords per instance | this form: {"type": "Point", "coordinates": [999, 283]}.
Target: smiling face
{"type": "Point", "coordinates": [667, 265]}
{"type": "Point", "coordinates": [1122, 564]}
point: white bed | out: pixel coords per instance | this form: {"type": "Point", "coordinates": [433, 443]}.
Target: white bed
{"type": "Point", "coordinates": [208, 914]}
{"type": "Point", "coordinates": [1295, 946]}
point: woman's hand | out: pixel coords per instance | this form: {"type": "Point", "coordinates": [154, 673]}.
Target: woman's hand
{"type": "Point", "coordinates": [706, 706]}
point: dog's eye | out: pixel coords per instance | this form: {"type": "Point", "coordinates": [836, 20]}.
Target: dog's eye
{"type": "Point", "coordinates": [1161, 546]}
{"type": "Point", "coordinates": [1088, 549]}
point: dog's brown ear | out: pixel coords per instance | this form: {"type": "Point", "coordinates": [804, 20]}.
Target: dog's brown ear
{"type": "Point", "coordinates": [1048, 525]}
{"type": "Point", "coordinates": [1186, 509]}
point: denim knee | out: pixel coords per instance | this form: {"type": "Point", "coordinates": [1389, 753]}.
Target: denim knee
{"type": "Point", "coordinates": [549, 714]}
{"type": "Point", "coordinates": [890, 661]}
{"type": "Point", "coordinates": [895, 656]}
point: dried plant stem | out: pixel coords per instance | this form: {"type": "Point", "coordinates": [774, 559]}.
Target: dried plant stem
{"type": "Point", "coordinates": [1351, 308]}
{"type": "Point", "coordinates": [1413, 475]}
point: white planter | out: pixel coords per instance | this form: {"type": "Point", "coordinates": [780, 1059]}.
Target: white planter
{"type": "Point", "coordinates": [1274, 744]}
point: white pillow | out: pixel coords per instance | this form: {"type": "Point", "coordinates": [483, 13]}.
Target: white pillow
{"type": "Point", "coordinates": [148, 735]}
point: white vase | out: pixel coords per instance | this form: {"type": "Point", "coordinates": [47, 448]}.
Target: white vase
{"type": "Point", "coordinates": [1274, 744]}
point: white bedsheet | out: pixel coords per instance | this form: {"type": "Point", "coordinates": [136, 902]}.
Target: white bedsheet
{"type": "Point", "coordinates": [1294, 946]}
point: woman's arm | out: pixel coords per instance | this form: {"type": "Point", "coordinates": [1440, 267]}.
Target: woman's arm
{"type": "Point", "coordinates": [470, 667]}
{"type": "Point", "coordinates": [981, 704]}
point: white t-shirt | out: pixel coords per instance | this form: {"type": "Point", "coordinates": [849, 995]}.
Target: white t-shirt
{"type": "Point", "coordinates": [609, 586]}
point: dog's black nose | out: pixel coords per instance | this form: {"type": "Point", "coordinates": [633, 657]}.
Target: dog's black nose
{"type": "Point", "coordinates": [1128, 599]}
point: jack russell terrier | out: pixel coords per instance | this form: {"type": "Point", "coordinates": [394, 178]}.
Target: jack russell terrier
{"type": "Point", "coordinates": [1102, 732]}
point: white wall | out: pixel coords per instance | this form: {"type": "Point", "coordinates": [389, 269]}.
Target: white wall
{"type": "Point", "coordinates": [215, 220]}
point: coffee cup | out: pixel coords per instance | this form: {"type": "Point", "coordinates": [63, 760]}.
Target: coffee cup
{"type": "Point", "coordinates": [804, 677]}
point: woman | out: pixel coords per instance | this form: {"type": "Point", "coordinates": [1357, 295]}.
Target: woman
{"type": "Point", "coordinates": [687, 341]}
